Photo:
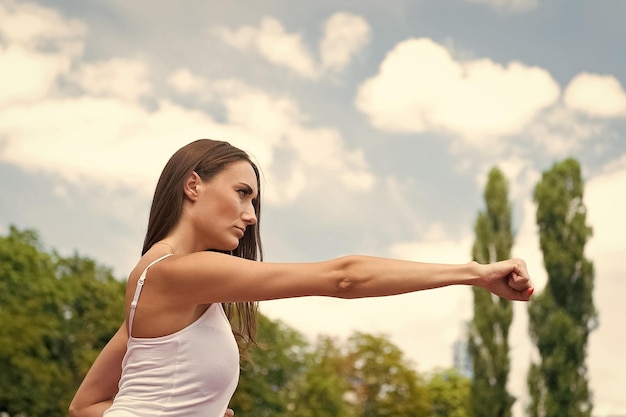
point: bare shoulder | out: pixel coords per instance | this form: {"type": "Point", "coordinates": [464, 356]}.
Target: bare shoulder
{"type": "Point", "coordinates": [141, 266]}
{"type": "Point", "coordinates": [180, 281]}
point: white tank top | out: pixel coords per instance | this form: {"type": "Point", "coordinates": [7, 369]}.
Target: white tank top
{"type": "Point", "coordinates": [192, 372]}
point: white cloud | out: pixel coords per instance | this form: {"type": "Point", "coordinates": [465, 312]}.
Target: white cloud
{"type": "Point", "coordinates": [115, 141]}
{"type": "Point", "coordinates": [36, 46]}
{"type": "Point", "coordinates": [274, 44]}
{"type": "Point", "coordinates": [185, 82]}
{"type": "Point", "coordinates": [278, 122]}
{"type": "Point", "coordinates": [559, 131]}
{"type": "Point", "coordinates": [606, 205]}
{"type": "Point", "coordinates": [508, 5]}
{"type": "Point", "coordinates": [345, 35]}
{"type": "Point", "coordinates": [28, 75]}
{"type": "Point", "coordinates": [596, 95]}
{"type": "Point", "coordinates": [421, 87]}
{"type": "Point", "coordinates": [123, 78]}
{"type": "Point", "coordinates": [105, 139]}
{"type": "Point", "coordinates": [242, 38]}
{"type": "Point", "coordinates": [38, 28]}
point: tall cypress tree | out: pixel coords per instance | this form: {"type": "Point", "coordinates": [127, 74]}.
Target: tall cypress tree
{"type": "Point", "coordinates": [489, 329]}
{"type": "Point", "coordinates": [563, 315]}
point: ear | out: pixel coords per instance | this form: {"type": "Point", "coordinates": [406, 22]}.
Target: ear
{"type": "Point", "coordinates": [191, 186]}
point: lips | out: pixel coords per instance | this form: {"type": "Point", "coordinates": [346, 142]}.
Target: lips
{"type": "Point", "coordinates": [241, 229]}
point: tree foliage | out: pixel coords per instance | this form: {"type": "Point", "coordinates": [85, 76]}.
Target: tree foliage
{"type": "Point", "coordinates": [274, 367]}
{"type": "Point", "coordinates": [383, 382]}
{"type": "Point", "coordinates": [322, 390]}
{"type": "Point", "coordinates": [488, 343]}
{"type": "Point", "coordinates": [449, 393]}
{"type": "Point", "coordinates": [366, 377]}
{"type": "Point", "coordinates": [563, 315]}
{"type": "Point", "coordinates": [56, 314]}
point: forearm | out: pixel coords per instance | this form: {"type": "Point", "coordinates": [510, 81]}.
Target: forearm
{"type": "Point", "coordinates": [363, 276]}
{"type": "Point", "coordinates": [359, 276]}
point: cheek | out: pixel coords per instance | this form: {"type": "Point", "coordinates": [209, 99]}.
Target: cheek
{"type": "Point", "coordinates": [229, 207]}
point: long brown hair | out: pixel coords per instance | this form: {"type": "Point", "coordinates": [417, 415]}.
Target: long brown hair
{"type": "Point", "coordinates": [207, 157]}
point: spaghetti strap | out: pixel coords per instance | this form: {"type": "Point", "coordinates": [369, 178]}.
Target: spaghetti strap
{"type": "Point", "coordinates": [133, 304]}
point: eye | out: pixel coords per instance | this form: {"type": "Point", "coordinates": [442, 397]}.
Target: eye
{"type": "Point", "coordinates": [244, 190]}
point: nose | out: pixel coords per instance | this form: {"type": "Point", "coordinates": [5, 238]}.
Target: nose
{"type": "Point", "coordinates": [249, 215]}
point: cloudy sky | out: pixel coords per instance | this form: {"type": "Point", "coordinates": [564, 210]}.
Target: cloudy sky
{"type": "Point", "coordinates": [374, 122]}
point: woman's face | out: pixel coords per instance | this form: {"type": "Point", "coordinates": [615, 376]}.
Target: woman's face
{"type": "Point", "coordinates": [224, 207]}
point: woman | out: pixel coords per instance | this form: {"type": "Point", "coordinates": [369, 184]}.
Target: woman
{"type": "Point", "coordinates": [176, 354]}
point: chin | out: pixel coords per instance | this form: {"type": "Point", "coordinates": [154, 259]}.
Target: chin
{"type": "Point", "coordinates": [232, 246]}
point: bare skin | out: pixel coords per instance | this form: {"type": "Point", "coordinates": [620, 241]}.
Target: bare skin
{"type": "Point", "coordinates": [215, 215]}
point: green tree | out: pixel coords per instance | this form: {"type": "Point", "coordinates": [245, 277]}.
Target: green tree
{"type": "Point", "coordinates": [449, 393]}
{"type": "Point", "coordinates": [28, 323]}
{"type": "Point", "coordinates": [322, 389]}
{"type": "Point", "coordinates": [46, 342]}
{"type": "Point", "coordinates": [92, 308]}
{"type": "Point", "coordinates": [563, 315]}
{"type": "Point", "coordinates": [488, 342]}
{"type": "Point", "coordinates": [384, 384]}
{"type": "Point", "coordinates": [268, 379]}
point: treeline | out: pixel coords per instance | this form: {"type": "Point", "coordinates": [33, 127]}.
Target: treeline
{"type": "Point", "coordinates": [57, 313]}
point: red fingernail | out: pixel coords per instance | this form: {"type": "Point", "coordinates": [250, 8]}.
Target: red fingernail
{"type": "Point", "coordinates": [531, 290]}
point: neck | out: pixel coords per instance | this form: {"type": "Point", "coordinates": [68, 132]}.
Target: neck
{"type": "Point", "coordinates": [166, 244]}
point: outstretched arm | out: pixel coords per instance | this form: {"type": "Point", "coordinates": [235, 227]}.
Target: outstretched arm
{"type": "Point", "coordinates": [100, 385]}
{"type": "Point", "coordinates": [208, 277]}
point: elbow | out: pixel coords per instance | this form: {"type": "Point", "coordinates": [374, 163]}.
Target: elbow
{"type": "Point", "coordinates": [344, 288]}
{"type": "Point", "coordinates": [344, 282]}
{"type": "Point", "coordinates": [77, 410]}
{"type": "Point", "coordinates": [73, 410]}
